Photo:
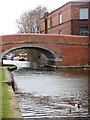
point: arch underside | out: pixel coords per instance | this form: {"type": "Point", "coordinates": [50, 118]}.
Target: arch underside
{"type": "Point", "coordinates": [51, 55]}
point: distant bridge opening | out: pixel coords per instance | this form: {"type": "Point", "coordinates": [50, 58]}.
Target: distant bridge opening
{"type": "Point", "coordinates": [51, 56]}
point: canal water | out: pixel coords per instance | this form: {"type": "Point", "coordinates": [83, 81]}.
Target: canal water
{"type": "Point", "coordinates": [52, 94]}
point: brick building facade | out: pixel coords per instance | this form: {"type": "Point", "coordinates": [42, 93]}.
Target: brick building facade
{"type": "Point", "coordinates": [71, 18]}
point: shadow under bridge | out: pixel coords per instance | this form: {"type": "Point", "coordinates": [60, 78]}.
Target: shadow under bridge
{"type": "Point", "coordinates": [51, 56]}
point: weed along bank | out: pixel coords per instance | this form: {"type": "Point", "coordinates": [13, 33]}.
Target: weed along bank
{"type": "Point", "coordinates": [10, 106]}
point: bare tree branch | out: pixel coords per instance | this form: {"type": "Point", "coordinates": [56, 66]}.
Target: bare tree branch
{"type": "Point", "coordinates": [29, 21]}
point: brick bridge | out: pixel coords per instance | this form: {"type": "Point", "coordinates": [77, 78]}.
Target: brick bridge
{"type": "Point", "coordinates": [72, 49]}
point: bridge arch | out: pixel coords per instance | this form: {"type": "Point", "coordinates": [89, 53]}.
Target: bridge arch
{"type": "Point", "coordinates": [51, 55]}
{"type": "Point", "coordinates": [72, 49]}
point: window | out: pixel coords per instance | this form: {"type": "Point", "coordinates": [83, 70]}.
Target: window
{"type": "Point", "coordinates": [60, 17]}
{"type": "Point", "coordinates": [83, 13]}
{"type": "Point", "coordinates": [50, 22]}
{"type": "Point", "coordinates": [84, 31]}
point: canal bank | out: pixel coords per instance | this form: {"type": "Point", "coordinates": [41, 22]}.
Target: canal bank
{"type": "Point", "coordinates": [10, 106]}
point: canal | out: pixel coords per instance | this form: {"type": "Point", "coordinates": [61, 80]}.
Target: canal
{"type": "Point", "coordinates": [52, 94]}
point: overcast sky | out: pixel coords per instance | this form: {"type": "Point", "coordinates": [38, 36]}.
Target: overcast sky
{"type": "Point", "coordinates": [10, 10]}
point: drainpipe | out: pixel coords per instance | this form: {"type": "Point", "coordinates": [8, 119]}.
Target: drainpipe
{"type": "Point", "coordinates": [46, 23]}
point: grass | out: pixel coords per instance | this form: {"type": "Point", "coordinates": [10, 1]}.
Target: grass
{"type": "Point", "coordinates": [5, 102]}
{"type": "Point", "coordinates": [9, 107]}
{"type": "Point", "coordinates": [0, 92]}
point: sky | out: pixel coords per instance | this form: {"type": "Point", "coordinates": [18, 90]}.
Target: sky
{"type": "Point", "coordinates": [11, 10]}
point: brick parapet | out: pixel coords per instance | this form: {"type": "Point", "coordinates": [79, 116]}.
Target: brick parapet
{"type": "Point", "coordinates": [72, 49]}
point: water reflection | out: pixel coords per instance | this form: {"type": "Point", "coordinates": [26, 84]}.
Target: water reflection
{"type": "Point", "coordinates": [52, 93]}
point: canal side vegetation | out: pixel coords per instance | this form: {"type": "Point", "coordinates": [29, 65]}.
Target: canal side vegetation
{"type": "Point", "coordinates": [4, 96]}
{"type": "Point", "coordinates": [0, 93]}
{"type": "Point", "coordinates": [10, 108]}
{"type": "Point", "coordinates": [6, 112]}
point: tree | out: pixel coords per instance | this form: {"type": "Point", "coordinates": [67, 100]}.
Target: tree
{"type": "Point", "coordinates": [29, 21]}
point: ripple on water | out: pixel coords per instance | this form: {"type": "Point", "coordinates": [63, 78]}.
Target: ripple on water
{"type": "Point", "coordinates": [51, 94]}
{"type": "Point", "coordinates": [46, 106]}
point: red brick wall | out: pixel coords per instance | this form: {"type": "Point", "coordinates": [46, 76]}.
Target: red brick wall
{"type": "Point", "coordinates": [64, 27]}
{"type": "Point", "coordinates": [76, 24]}
{"type": "Point", "coordinates": [70, 13]}
{"type": "Point", "coordinates": [73, 55]}
{"type": "Point", "coordinates": [75, 7]}
{"type": "Point", "coordinates": [73, 49]}
{"type": "Point", "coordinates": [66, 16]}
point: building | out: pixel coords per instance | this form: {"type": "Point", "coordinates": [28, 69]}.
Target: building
{"type": "Point", "coordinates": [71, 18]}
